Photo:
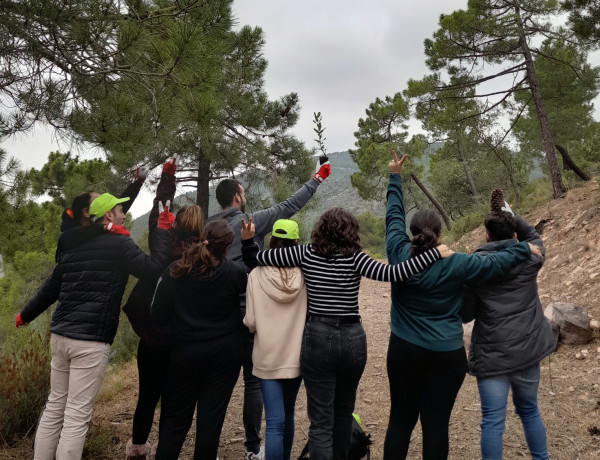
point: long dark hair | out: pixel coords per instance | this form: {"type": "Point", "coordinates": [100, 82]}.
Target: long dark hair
{"type": "Point", "coordinates": [426, 228]}
{"type": "Point", "coordinates": [203, 256]}
{"type": "Point", "coordinates": [80, 202]}
{"type": "Point", "coordinates": [276, 243]}
{"type": "Point", "coordinates": [336, 232]}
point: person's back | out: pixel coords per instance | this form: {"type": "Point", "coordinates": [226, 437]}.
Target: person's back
{"type": "Point", "coordinates": [510, 338]}
{"type": "Point", "coordinates": [510, 331]}
{"type": "Point", "coordinates": [232, 198]}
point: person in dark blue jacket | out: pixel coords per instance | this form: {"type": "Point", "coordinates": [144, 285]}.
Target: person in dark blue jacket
{"type": "Point", "coordinates": [92, 268]}
{"type": "Point", "coordinates": [426, 359]}
{"type": "Point", "coordinates": [510, 338]}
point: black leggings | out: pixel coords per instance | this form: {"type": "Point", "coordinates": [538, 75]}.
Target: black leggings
{"type": "Point", "coordinates": [422, 383]}
{"type": "Point", "coordinates": [153, 364]}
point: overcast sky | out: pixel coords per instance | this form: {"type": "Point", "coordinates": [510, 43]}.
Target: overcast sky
{"type": "Point", "coordinates": [337, 55]}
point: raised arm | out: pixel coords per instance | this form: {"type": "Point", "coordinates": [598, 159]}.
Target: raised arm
{"type": "Point", "coordinates": [395, 218]}
{"type": "Point", "coordinates": [165, 191]}
{"type": "Point", "coordinates": [134, 188]}
{"type": "Point", "coordinates": [372, 269]}
{"type": "Point", "coordinates": [265, 219]}
{"type": "Point", "coordinates": [527, 232]}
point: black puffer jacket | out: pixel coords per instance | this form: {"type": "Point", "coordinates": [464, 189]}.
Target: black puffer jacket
{"type": "Point", "coordinates": [89, 279]}
{"type": "Point", "coordinates": [510, 332]}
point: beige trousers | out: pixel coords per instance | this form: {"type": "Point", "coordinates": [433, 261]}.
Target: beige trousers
{"type": "Point", "coordinates": [77, 370]}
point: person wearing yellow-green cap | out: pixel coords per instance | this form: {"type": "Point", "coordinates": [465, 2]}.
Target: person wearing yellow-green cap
{"type": "Point", "coordinates": [92, 269]}
{"type": "Point", "coordinates": [275, 312]}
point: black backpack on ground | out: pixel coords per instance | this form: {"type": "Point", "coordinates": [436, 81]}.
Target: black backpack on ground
{"type": "Point", "coordinates": [360, 444]}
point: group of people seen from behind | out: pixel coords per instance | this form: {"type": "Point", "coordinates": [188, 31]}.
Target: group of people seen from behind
{"type": "Point", "coordinates": [211, 303]}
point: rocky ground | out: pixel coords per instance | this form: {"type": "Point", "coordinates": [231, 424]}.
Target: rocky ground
{"type": "Point", "coordinates": [569, 391]}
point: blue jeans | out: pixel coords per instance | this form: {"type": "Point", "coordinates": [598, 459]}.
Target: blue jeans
{"type": "Point", "coordinates": [279, 398]}
{"type": "Point", "coordinates": [494, 394]}
{"type": "Point", "coordinates": [332, 359]}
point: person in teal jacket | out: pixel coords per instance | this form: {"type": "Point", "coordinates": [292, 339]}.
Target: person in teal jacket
{"type": "Point", "coordinates": [426, 359]}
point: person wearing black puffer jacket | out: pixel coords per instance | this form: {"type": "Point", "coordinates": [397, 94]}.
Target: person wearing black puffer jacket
{"type": "Point", "coordinates": [510, 338]}
{"type": "Point", "coordinates": [90, 275]}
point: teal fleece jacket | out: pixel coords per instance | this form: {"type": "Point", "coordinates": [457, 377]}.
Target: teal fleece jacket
{"type": "Point", "coordinates": [426, 307]}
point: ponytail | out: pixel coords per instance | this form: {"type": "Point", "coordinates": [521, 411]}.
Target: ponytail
{"type": "Point", "coordinates": [426, 228]}
{"type": "Point", "coordinates": [200, 258]}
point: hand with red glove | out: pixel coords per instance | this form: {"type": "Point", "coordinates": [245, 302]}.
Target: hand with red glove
{"type": "Point", "coordinates": [323, 171]}
{"type": "Point", "coordinates": [19, 322]}
{"type": "Point", "coordinates": [165, 218]}
{"type": "Point", "coordinates": [170, 167]}
{"type": "Point", "coordinates": [116, 229]}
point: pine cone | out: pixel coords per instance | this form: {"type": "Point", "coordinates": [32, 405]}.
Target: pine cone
{"type": "Point", "coordinates": [496, 200]}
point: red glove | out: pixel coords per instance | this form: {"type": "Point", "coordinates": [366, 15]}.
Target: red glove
{"type": "Point", "coordinates": [170, 167]}
{"type": "Point", "coordinates": [323, 172]}
{"type": "Point", "coordinates": [19, 322]}
{"type": "Point", "coordinates": [165, 218]}
{"type": "Point", "coordinates": [116, 229]}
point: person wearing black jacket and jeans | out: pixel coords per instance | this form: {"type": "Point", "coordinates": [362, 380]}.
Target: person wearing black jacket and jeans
{"type": "Point", "coordinates": [92, 268]}
{"type": "Point", "coordinates": [232, 198]}
{"type": "Point", "coordinates": [198, 297]}
{"type": "Point", "coordinates": [510, 337]}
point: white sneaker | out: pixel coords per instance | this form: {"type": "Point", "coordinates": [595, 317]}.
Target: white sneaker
{"type": "Point", "coordinates": [253, 456]}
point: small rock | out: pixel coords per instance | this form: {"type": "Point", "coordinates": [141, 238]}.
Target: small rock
{"type": "Point", "coordinates": [571, 389]}
{"type": "Point", "coordinates": [593, 275]}
{"type": "Point", "coordinates": [584, 352]}
{"type": "Point", "coordinates": [594, 324]}
{"type": "Point", "coordinates": [579, 356]}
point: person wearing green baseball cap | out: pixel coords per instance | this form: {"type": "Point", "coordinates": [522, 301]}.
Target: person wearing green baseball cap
{"type": "Point", "coordinates": [93, 265]}
{"type": "Point", "coordinates": [276, 302]}
{"type": "Point", "coordinates": [108, 204]}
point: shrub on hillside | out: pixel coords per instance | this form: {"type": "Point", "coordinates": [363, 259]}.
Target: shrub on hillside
{"type": "Point", "coordinates": [24, 387]}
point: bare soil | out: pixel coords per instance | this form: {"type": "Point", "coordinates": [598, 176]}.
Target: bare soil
{"type": "Point", "coordinates": [569, 394]}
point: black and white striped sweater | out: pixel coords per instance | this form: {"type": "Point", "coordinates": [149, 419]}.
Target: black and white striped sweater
{"type": "Point", "coordinates": [332, 283]}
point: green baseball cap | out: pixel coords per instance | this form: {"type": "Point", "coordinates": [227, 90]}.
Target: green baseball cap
{"type": "Point", "coordinates": [286, 229]}
{"type": "Point", "coordinates": [104, 203]}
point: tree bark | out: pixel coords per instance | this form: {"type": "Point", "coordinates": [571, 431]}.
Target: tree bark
{"type": "Point", "coordinates": [571, 165]}
{"type": "Point", "coordinates": [202, 183]}
{"type": "Point", "coordinates": [461, 158]}
{"type": "Point", "coordinates": [435, 202]}
{"type": "Point", "coordinates": [548, 143]}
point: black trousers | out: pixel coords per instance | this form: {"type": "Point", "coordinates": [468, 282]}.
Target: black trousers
{"type": "Point", "coordinates": [153, 364]}
{"type": "Point", "coordinates": [201, 375]}
{"type": "Point", "coordinates": [253, 403]}
{"type": "Point", "coordinates": [423, 383]}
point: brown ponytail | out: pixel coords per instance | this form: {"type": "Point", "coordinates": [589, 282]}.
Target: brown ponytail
{"type": "Point", "coordinates": [202, 257]}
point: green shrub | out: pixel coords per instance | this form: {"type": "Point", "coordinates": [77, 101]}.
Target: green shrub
{"type": "Point", "coordinates": [24, 387]}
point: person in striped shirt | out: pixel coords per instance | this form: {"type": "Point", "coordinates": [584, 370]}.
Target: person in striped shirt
{"type": "Point", "coordinates": [334, 346]}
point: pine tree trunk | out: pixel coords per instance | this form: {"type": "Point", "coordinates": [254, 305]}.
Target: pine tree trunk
{"type": "Point", "coordinates": [435, 202]}
{"type": "Point", "coordinates": [470, 182]}
{"type": "Point", "coordinates": [548, 143]}
{"type": "Point", "coordinates": [571, 165]}
{"type": "Point", "coordinates": [202, 183]}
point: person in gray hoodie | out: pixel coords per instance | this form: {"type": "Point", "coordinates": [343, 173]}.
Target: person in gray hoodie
{"type": "Point", "coordinates": [510, 338]}
{"type": "Point", "coordinates": [231, 196]}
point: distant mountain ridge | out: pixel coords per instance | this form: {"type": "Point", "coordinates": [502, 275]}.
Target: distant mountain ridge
{"type": "Point", "coordinates": [336, 190]}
